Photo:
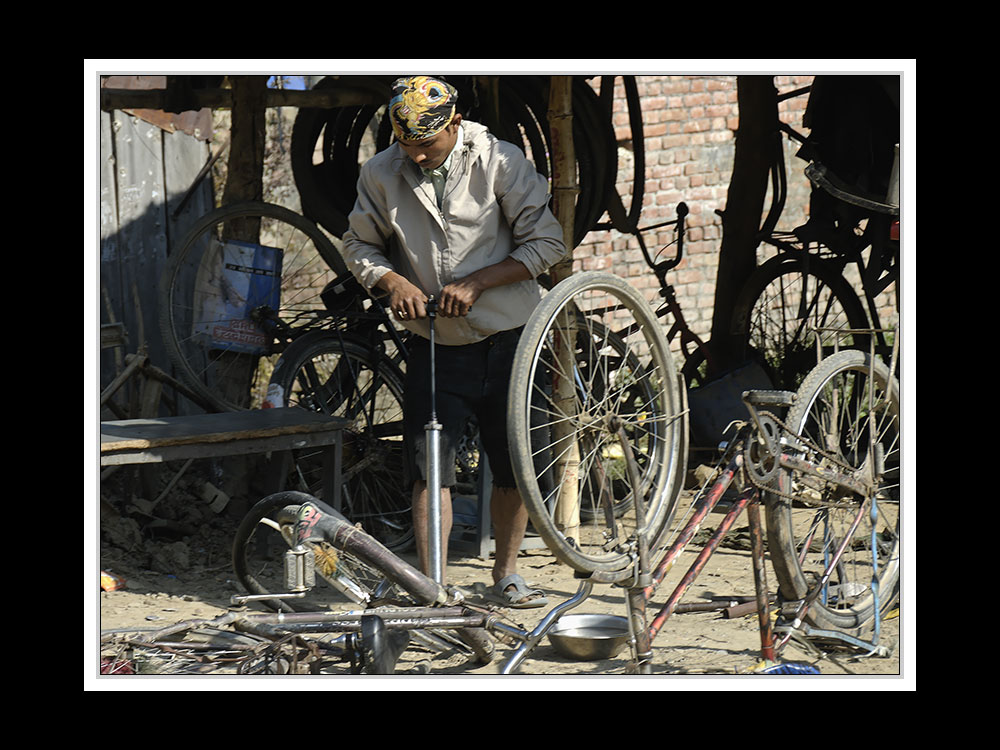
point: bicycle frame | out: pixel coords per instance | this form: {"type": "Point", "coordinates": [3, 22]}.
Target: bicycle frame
{"type": "Point", "coordinates": [645, 580]}
{"type": "Point", "coordinates": [749, 500]}
{"type": "Point", "coordinates": [881, 228]}
{"type": "Point", "coordinates": [689, 340]}
{"type": "Point", "coordinates": [638, 598]}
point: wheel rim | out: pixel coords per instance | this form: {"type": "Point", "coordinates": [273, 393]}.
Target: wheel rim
{"type": "Point", "coordinates": [620, 384]}
{"type": "Point", "coordinates": [845, 418]}
{"type": "Point", "coordinates": [225, 329]}
{"type": "Point", "coordinates": [798, 300]}
{"type": "Point", "coordinates": [337, 378]}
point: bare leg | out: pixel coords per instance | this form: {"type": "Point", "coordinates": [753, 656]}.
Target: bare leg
{"type": "Point", "coordinates": [510, 520]}
{"type": "Point", "coordinates": [420, 524]}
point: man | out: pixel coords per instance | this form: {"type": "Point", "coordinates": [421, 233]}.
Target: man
{"type": "Point", "coordinates": [451, 212]}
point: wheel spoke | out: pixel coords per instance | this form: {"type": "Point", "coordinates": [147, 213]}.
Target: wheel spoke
{"type": "Point", "coordinates": [227, 310]}
{"type": "Point", "coordinates": [846, 424]}
{"type": "Point", "coordinates": [572, 447]}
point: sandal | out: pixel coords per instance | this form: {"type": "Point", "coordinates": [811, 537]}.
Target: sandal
{"type": "Point", "coordinates": [520, 597]}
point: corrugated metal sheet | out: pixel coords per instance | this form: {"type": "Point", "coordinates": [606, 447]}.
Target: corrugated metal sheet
{"type": "Point", "coordinates": [148, 163]}
{"type": "Point", "coordinates": [197, 124]}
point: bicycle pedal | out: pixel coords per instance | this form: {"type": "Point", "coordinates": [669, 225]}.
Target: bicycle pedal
{"type": "Point", "coordinates": [300, 569]}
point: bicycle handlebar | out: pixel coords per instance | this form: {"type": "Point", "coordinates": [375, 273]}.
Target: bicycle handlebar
{"type": "Point", "coordinates": [661, 268]}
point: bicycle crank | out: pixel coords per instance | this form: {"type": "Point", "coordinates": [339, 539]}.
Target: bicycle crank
{"type": "Point", "coordinates": [762, 451]}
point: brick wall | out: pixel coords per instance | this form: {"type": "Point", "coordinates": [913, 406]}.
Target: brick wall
{"type": "Point", "coordinates": [690, 124]}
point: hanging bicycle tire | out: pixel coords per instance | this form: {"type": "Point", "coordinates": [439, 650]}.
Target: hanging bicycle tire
{"type": "Point", "coordinates": [228, 305]}
{"type": "Point", "coordinates": [783, 302]}
{"type": "Point", "coordinates": [577, 411]}
{"type": "Point", "coordinates": [847, 412]}
{"type": "Point", "coordinates": [330, 145]}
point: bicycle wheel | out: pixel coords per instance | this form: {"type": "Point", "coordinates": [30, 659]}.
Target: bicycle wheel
{"type": "Point", "coordinates": [781, 304]}
{"type": "Point", "coordinates": [259, 546]}
{"type": "Point", "coordinates": [241, 283]}
{"type": "Point", "coordinates": [343, 550]}
{"type": "Point", "coordinates": [335, 374]}
{"type": "Point", "coordinates": [578, 410]}
{"type": "Point", "coordinates": [847, 412]}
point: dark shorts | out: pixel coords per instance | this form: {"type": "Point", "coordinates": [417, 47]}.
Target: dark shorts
{"type": "Point", "coordinates": [472, 383]}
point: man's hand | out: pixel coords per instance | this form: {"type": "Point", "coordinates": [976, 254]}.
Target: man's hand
{"type": "Point", "coordinates": [406, 300]}
{"type": "Point", "coordinates": [458, 297]}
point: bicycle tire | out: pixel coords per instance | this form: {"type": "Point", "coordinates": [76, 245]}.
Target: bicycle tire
{"type": "Point", "coordinates": [345, 137]}
{"type": "Point", "coordinates": [831, 409]}
{"type": "Point", "coordinates": [328, 187]}
{"type": "Point", "coordinates": [259, 546]}
{"type": "Point", "coordinates": [226, 353]}
{"type": "Point", "coordinates": [638, 392]}
{"type": "Point", "coordinates": [317, 524]}
{"type": "Point", "coordinates": [782, 302]}
{"type": "Point", "coordinates": [336, 374]}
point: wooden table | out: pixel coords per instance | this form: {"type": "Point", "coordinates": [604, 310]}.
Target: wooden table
{"type": "Point", "coordinates": [142, 441]}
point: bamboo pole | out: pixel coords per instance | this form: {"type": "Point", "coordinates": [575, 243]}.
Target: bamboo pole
{"type": "Point", "coordinates": [564, 187]}
{"type": "Point", "coordinates": [565, 190]}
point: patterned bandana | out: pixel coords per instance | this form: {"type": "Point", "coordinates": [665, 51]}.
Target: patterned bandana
{"type": "Point", "coordinates": [421, 107]}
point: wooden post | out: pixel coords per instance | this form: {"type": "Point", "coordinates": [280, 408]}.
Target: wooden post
{"type": "Point", "coordinates": [565, 190]}
{"type": "Point", "coordinates": [564, 187]}
{"type": "Point", "coordinates": [245, 176]}
{"type": "Point", "coordinates": [244, 182]}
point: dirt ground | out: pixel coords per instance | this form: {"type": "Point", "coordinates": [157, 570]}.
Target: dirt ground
{"type": "Point", "coordinates": [179, 570]}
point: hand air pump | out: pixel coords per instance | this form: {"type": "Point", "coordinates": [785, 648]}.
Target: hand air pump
{"type": "Point", "coordinates": [432, 431]}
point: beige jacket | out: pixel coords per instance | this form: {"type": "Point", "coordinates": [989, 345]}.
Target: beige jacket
{"type": "Point", "coordinates": [495, 205]}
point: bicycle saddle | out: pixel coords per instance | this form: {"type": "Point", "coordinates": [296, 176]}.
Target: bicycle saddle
{"type": "Point", "coordinates": [343, 294]}
{"type": "Point", "coordinates": [823, 178]}
{"type": "Point", "coordinates": [375, 649]}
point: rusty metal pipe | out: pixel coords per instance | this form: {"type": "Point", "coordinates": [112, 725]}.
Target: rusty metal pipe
{"type": "Point", "coordinates": [760, 579]}
{"type": "Point", "coordinates": [705, 506]}
{"type": "Point", "coordinates": [698, 565]}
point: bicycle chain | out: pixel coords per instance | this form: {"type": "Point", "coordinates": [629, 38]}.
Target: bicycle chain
{"type": "Point", "coordinates": [770, 484]}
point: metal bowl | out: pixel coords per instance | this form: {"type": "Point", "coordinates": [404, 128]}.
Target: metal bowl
{"type": "Point", "coordinates": [589, 637]}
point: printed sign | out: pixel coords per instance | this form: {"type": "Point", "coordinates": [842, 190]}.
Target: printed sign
{"type": "Point", "coordinates": [235, 278]}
